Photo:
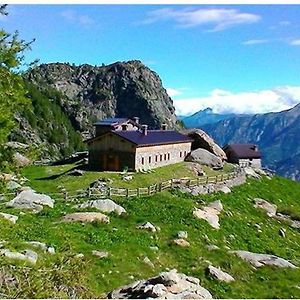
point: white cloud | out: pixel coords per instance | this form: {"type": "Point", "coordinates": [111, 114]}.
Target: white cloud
{"type": "Point", "coordinates": [217, 18]}
{"type": "Point", "coordinates": [255, 42]}
{"type": "Point", "coordinates": [295, 42]}
{"type": "Point", "coordinates": [74, 17]}
{"type": "Point", "coordinates": [222, 101]}
{"type": "Point", "coordinates": [173, 92]}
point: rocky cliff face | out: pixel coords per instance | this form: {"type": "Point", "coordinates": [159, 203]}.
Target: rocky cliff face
{"type": "Point", "coordinates": [277, 135]}
{"type": "Point", "coordinates": [122, 89]}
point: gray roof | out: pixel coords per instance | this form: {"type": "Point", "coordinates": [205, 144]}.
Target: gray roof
{"type": "Point", "coordinates": [111, 121]}
{"type": "Point", "coordinates": [244, 150]}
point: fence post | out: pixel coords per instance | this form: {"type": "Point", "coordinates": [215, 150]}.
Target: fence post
{"type": "Point", "coordinates": [198, 181]}
{"type": "Point", "coordinates": [89, 192]}
{"type": "Point", "coordinates": [66, 195]}
{"type": "Point", "coordinates": [108, 192]}
{"type": "Point", "coordinates": [159, 187]}
{"type": "Point", "coordinates": [138, 192]}
{"type": "Point", "coordinates": [222, 177]}
{"type": "Point", "coordinates": [127, 193]}
{"type": "Point", "coordinates": [171, 183]}
{"type": "Point", "coordinates": [216, 178]}
{"type": "Point", "coordinates": [206, 179]}
{"type": "Point", "coordinates": [148, 190]}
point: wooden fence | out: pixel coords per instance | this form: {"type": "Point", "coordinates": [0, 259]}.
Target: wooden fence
{"type": "Point", "coordinates": [141, 191]}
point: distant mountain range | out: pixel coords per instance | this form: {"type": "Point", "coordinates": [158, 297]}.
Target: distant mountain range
{"type": "Point", "coordinates": [276, 134]}
{"type": "Point", "coordinates": [205, 116]}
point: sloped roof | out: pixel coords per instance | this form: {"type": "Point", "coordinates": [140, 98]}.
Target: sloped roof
{"type": "Point", "coordinates": [153, 137]}
{"type": "Point", "coordinates": [244, 150]}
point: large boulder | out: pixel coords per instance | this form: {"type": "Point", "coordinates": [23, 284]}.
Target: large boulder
{"type": "Point", "coordinates": [29, 199]}
{"type": "Point", "coordinates": [206, 158]}
{"type": "Point", "coordinates": [265, 205]}
{"type": "Point", "coordinates": [204, 141]}
{"type": "Point", "coordinates": [105, 205]}
{"type": "Point", "coordinates": [259, 260]}
{"type": "Point", "coordinates": [167, 285]}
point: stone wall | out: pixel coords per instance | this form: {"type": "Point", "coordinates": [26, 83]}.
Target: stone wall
{"type": "Point", "coordinates": [161, 155]}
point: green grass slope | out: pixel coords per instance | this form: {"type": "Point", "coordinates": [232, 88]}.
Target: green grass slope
{"type": "Point", "coordinates": [64, 275]}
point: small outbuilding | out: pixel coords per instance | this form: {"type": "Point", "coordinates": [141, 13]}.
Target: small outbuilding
{"type": "Point", "coordinates": [246, 155]}
{"type": "Point", "coordinates": [122, 143]}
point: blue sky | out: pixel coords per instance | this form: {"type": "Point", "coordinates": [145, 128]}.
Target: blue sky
{"type": "Point", "coordinates": [240, 58]}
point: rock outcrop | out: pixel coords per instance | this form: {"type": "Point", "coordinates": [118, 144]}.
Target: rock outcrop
{"type": "Point", "coordinates": [210, 213]}
{"type": "Point", "coordinates": [167, 285]}
{"type": "Point", "coordinates": [265, 205]}
{"type": "Point", "coordinates": [105, 205]}
{"type": "Point", "coordinates": [259, 260]}
{"type": "Point", "coordinates": [86, 217]}
{"type": "Point", "coordinates": [29, 199]}
{"type": "Point", "coordinates": [204, 141]}
{"type": "Point", "coordinates": [206, 158]}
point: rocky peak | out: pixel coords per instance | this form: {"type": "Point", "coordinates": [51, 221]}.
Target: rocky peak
{"type": "Point", "coordinates": [121, 89]}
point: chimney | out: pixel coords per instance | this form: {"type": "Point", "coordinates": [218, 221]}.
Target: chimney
{"type": "Point", "coordinates": [124, 126]}
{"type": "Point", "coordinates": [164, 126]}
{"type": "Point", "coordinates": [136, 120]}
{"type": "Point", "coordinates": [145, 129]}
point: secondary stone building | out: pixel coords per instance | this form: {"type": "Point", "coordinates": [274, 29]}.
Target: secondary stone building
{"type": "Point", "coordinates": [243, 154]}
{"type": "Point", "coordinates": [124, 143]}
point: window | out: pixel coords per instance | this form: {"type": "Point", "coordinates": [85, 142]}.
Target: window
{"type": "Point", "coordinates": [168, 156]}
{"type": "Point", "coordinates": [143, 161]}
{"type": "Point", "coordinates": [149, 159]}
{"type": "Point", "coordinates": [156, 158]}
{"type": "Point", "coordinates": [165, 156]}
{"type": "Point", "coordinates": [180, 154]}
{"type": "Point", "coordinates": [161, 157]}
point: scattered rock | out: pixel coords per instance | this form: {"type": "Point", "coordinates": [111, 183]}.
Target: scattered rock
{"type": "Point", "coordinates": [26, 255]}
{"type": "Point", "coordinates": [154, 248]}
{"type": "Point", "coordinates": [41, 246]}
{"type": "Point", "coordinates": [210, 213]}
{"type": "Point", "coordinates": [100, 183]}
{"type": "Point", "coordinates": [29, 199]}
{"type": "Point", "coordinates": [148, 262]}
{"type": "Point", "coordinates": [86, 217]}
{"type": "Point", "coordinates": [167, 285]}
{"type": "Point", "coordinates": [212, 247]}
{"type": "Point", "coordinates": [182, 234]}
{"type": "Point", "coordinates": [76, 172]}
{"type": "Point", "coordinates": [105, 205]}
{"type": "Point", "coordinates": [100, 254]}
{"type": "Point", "coordinates": [79, 255]}
{"type": "Point", "coordinates": [2, 243]}
{"type": "Point", "coordinates": [220, 275]}
{"type": "Point", "coordinates": [147, 226]}
{"type": "Point", "coordinates": [204, 157]}
{"type": "Point", "coordinates": [181, 242]}
{"type": "Point", "coordinates": [20, 160]}
{"type": "Point", "coordinates": [265, 205]}
{"type": "Point", "coordinates": [7, 177]}
{"type": "Point", "coordinates": [225, 189]}
{"type": "Point", "coordinates": [251, 173]}
{"type": "Point", "coordinates": [13, 185]}
{"type": "Point", "coordinates": [9, 217]}
{"type": "Point", "coordinates": [17, 145]}
{"type": "Point", "coordinates": [259, 260]}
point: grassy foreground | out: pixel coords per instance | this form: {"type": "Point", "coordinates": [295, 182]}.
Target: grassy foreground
{"type": "Point", "coordinates": [63, 275]}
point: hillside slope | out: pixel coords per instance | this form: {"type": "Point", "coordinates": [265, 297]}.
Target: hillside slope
{"type": "Point", "coordinates": [242, 227]}
{"type": "Point", "coordinates": [277, 135]}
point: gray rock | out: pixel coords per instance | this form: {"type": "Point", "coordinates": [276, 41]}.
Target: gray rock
{"type": "Point", "coordinates": [28, 199]}
{"type": "Point", "coordinates": [127, 177]}
{"type": "Point", "coordinates": [86, 217]}
{"type": "Point", "coordinates": [20, 160]}
{"type": "Point", "coordinates": [225, 189]}
{"type": "Point", "coordinates": [100, 254]}
{"type": "Point", "coordinates": [212, 247]}
{"type": "Point", "coordinates": [182, 234]}
{"type": "Point", "coordinates": [41, 246]}
{"type": "Point", "coordinates": [154, 248]}
{"type": "Point", "coordinates": [181, 242]}
{"type": "Point", "coordinates": [203, 140]}
{"type": "Point", "coordinates": [220, 275]}
{"type": "Point", "coordinates": [17, 145]}
{"type": "Point", "coordinates": [27, 255]}
{"type": "Point", "coordinates": [210, 213]}
{"type": "Point", "coordinates": [259, 260]}
{"type": "Point", "coordinates": [147, 226]}
{"type": "Point", "coordinates": [148, 262]}
{"type": "Point", "coordinates": [76, 172]}
{"type": "Point", "coordinates": [13, 185]}
{"type": "Point", "coordinates": [265, 205]}
{"type": "Point", "coordinates": [251, 173]}
{"type": "Point", "coordinates": [105, 205]}
{"type": "Point", "coordinates": [167, 285]}
{"type": "Point", "coordinates": [9, 217]}
{"type": "Point", "coordinates": [206, 158]}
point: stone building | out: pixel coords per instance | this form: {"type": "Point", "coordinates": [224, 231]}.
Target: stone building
{"type": "Point", "coordinates": [124, 143]}
{"type": "Point", "coordinates": [246, 155]}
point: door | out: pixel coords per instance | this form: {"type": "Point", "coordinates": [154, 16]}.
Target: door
{"type": "Point", "coordinates": [111, 162]}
